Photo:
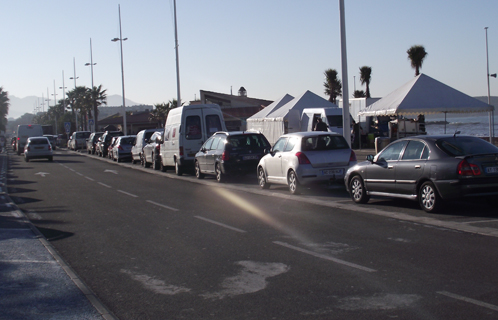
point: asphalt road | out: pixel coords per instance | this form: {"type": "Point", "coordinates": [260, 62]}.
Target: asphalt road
{"type": "Point", "coordinates": [155, 246]}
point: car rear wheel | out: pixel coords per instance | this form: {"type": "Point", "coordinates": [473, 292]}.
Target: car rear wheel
{"type": "Point", "coordinates": [198, 172]}
{"type": "Point", "coordinates": [220, 176]}
{"type": "Point", "coordinates": [144, 162]}
{"type": "Point", "coordinates": [162, 166]}
{"type": "Point", "coordinates": [262, 179]}
{"type": "Point", "coordinates": [357, 190]}
{"type": "Point", "coordinates": [428, 198]}
{"type": "Point", "coordinates": [178, 169]}
{"type": "Point", "coordinates": [294, 186]}
{"type": "Point", "coordinates": [155, 163]}
{"type": "Point", "coordinates": [26, 159]}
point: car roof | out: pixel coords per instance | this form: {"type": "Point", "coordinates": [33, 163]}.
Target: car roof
{"type": "Point", "coordinates": [231, 133]}
{"type": "Point", "coordinates": [311, 134]}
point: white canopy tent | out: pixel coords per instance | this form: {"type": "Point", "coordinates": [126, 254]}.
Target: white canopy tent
{"type": "Point", "coordinates": [425, 95]}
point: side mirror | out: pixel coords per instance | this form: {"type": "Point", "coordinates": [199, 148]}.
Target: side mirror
{"type": "Point", "coordinates": [370, 157]}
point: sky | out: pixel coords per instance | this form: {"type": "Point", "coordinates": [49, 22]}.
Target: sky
{"type": "Point", "coordinates": [270, 47]}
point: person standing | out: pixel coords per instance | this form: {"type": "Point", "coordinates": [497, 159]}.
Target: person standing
{"type": "Point", "coordinates": [320, 125]}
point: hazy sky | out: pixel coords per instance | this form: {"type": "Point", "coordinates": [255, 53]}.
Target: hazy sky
{"type": "Point", "coordinates": [271, 47]}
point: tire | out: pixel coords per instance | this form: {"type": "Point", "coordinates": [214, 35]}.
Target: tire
{"type": "Point", "coordinates": [262, 179]}
{"type": "Point", "coordinates": [26, 159]}
{"type": "Point", "coordinates": [357, 190]}
{"type": "Point", "coordinates": [144, 162]}
{"type": "Point", "coordinates": [155, 163]}
{"type": "Point", "coordinates": [220, 176]}
{"type": "Point", "coordinates": [198, 172]}
{"type": "Point", "coordinates": [178, 169]}
{"type": "Point", "coordinates": [294, 186]}
{"type": "Point", "coordinates": [429, 198]}
{"type": "Point", "coordinates": [50, 159]}
{"type": "Point", "coordinates": [162, 166]}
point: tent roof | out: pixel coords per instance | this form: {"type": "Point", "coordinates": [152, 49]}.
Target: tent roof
{"type": "Point", "coordinates": [424, 95]}
{"type": "Point", "coordinates": [271, 107]}
{"type": "Point", "coordinates": [306, 100]}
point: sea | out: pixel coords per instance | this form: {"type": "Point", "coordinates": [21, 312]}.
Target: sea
{"type": "Point", "coordinates": [468, 124]}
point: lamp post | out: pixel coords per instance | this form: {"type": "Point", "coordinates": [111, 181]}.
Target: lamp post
{"type": "Point", "coordinates": [91, 64]}
{"type": "Point", "coordinates": [63, 93]}
{"type": "Point", "coordinates": [491, 113]}
{"type": "Point", "coordinates": [120, 39]}
{"type": "Point", "coordinates": [55, 110]}
{"type": "Point", "coordinates": [75, 111]}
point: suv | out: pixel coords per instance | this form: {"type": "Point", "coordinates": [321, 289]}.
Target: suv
{"type": "Point", "coordinates": [91, 142]}
{"type": "Point", "coordinates": [230, 153]}
{"type": "Point", "coordinates": [105, 141]}
{"type": "Point", "coordinates": [78, 139]}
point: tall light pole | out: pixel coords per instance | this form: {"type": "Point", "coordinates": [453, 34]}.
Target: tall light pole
{"type": "Point", "coordinates": [346, 123]}
{"type": "Point", "coordinates": [75, 111]}
{"type": "Point", "coordinates": [491, 113]}
{"type": "Point", "coordinates": [91, 64]}
{"type": "Point", "coordinates": [55, 104]}
{"type": "Point", "coordinates": [120, 39]}
{"type": "Point", "coordinates": [178, 99]}
{"type": "Point", "coordinates": [63, 93]}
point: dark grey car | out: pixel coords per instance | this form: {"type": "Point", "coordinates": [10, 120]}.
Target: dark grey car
{"type": "Point", "coordinates": [430, 169]}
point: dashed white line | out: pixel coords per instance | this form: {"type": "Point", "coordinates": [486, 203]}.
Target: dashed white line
{"type": "Point", "coordinates": [89, 178]}
{"type": "Point", "coordinates": [105, 185]}
{"type": "Point", "coordinates": [220, 224]}
{"type": "Point", "coordinates": [128, 194]}
{"type": "Point", "coordinates": [469, 300]}
{"type": "Point", "coordinates": [349, 264]}
{"type": "Point", "coordinates": [162, 205]}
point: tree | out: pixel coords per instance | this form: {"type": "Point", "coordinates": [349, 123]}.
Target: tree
{"type": "Point", "coordinates": [416, 55]}
{"type": "Point", "coordinates": [365, 78]}
{"type": "Point", "coordinates": [160, 113]}
{"type": "Point", "coordinates": [99, 97]}
{"type": "Point", "coordinates": [4, 108]}
{"type": "Point", "coordinates": [359, 94]}
{"type": "Point", "coordinates": [333, 85]}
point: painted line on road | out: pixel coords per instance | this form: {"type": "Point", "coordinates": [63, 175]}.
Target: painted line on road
{"type": "Point", "coordinates": [103, 184]}
{"type": "Point", "coordinates": [322, 256]}
{"type": "Point", "coordinates": [27, 261]}
{"type": "Point", "coordinates": [89, 178]}
{"type": "Point", "coordinates": [162, 205]}
{"type": "Point", "coordinates": [220, 224]}
{"type": "Point", "coordinates": [469, 300]}
{"type": "Point", "coordinates": [128, 194]}
{"type": "Point", "coordinates": [481, 221]}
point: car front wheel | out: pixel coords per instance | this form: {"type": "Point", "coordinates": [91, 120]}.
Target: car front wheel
{"type": "Point", "coordinates": [262, 179]}
{"type": "Point", "coordinates": [357, 190]}
{"type": "Point", "coordinates": [198, 172]}
{"type": "Point", "coordinates": [294, 186]}
{"type": "Point", "coordinates": [220, 176]}
{"type": "Point", "coordinates": [428, 198]}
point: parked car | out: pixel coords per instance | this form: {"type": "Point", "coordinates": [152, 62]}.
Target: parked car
{"type": "Point", "coordinates": [36, 148]}
{"type": "Point", "coordinates": [428, 169]}
{"type": "Point", "coordinates": [68, 143]}
{"type": "Point", "coordinates": [140, 142]}
{"type": "Point", "coordinates": [78, 139]}
{"type": "Point", "coordinates": [151, 151]}
{"type": "Point", "coordinates": [53, 140]}
{"type": "Point", "coordinates": [302, 158]}
{"type": "Point", "coordinates": [110, 155]}
{"type": "Point", "coordinates": [122, 148]}
{"type": "Point", "coordinates": [230, 153]}
{"type": "Point", "coordinates": [91, 142]}
{"type": "Point", "coordinates": [23, 132]}
{"type": "Point", "coordinates": [105, 140]}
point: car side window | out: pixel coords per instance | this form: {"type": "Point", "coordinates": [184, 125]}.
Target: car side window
{"type": "Point", "coordinates": [413, 150]}
{"type": "Point", "coordinates": [280, 144]}
{"type": "Point", "coordinates": [216, 141]}
{"type": "Point", "coordinates": [392, 151]}
{"type": "Point", "coordinates": [208, 143]}
{"type": "Point", "coordinates": [290, 145]}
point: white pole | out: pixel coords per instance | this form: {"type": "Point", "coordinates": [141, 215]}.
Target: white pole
{"type": "Point", "coordinates": [491, 113]}
{"type": "Point", "coordinates": [346, 123]}
{"type": "Point", "coordinates": [122, 72]}
{"type": "Point", "coordinates": [178, 99]}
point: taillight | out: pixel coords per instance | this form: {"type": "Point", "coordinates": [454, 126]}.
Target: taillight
{"type": "Point", "coordinates": [181, 151]}
{"type": "Point", "coordinates": [49, 147]}
{"type": "Point", "coordinates": [468, 169]}
{"type": "Point", "coordinates": [27, 148]}
{"type": "Point", "coordinates": [352, 157]}
{"type": "Point", "coordinates": [302, 158]}
{"type": "Point", "coordinates": [120, 147]}
{"type": "Point", "coordinates": [225, 156]}
{"type": "Point", "coordinates": [157, 147]}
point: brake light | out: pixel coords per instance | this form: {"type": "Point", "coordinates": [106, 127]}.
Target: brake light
{"type": "Point", "coordinates": [158, 147]}
{"type": "Point", "coordinates": [120, 147]}
{"type": "Point", "coordinates": [49, 147]}
{"type": "Point", "coordinates": [225, 156]}
{"type": "Point", "coordinates": [352, 157]}
{"type": "Point", "coordinates": [181, 151]}
{"type": "Point", "coordinates": [468, 169]}
{"type": "Point", "coordinates": [302, 158]}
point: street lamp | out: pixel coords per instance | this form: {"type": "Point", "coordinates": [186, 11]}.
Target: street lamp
{"type": "Point", "coordinates": [491, 113]}
{"type": "Point", "coordinates": [120, 39]}
{"type": "Point", "coordinates": [75, 111]}
{"type": "Point", "coordinates": [63, 93]}
{"type": "Point", "coordinates": [91, 64]}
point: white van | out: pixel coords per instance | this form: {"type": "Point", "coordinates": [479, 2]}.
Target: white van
{"type": "Point", "coordinates": [25, 131]}
{"type": "Point", "coordinates": [186, 129]}
{"type": "Point", "coordinates": [331, 116]}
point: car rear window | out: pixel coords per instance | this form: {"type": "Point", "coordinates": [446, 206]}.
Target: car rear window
{"type": "Point", "coordinates": [38, 141]}
{"type": "Point", "coordinates": [130, 140]}
{"type": "Point", "coordinates": [462, 146]}
{"type": "Point", "coordinates": [323, 142]}
{"type": "Point", "coordinates": [249, 141]}
{"type": "Point", "coordinates": [82, 135]}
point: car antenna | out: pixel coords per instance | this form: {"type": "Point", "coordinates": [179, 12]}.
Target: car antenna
{"type": "Point", "coordinates": [456, 132]}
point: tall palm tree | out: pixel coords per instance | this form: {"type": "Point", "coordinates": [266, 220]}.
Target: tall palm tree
{"type": "Point", "coordinates": [365, 78]}
{"type": "Point", "coordinates": [160, 113]}
{"type": "Point", "coordinates": [4, 108]}
{"type": "Point", "coordinates": [333, 85]}
{"type": "Point", "coordinates": [416, 55]}
{"type": "Point", "coordinates": [99, 97]}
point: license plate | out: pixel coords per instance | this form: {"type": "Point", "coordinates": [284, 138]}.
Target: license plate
{"type": "Point", "coordinates": [39, 148]}
{"type": "Point", "coordinates": [191, 155]}
{"type": "Point", "coordinates": [492, 170]}
{"type": "Point", "coordinates": [330, 172]}
{"type": "Point", "coordinates": [254, 157]}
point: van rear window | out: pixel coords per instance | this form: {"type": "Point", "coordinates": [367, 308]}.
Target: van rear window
{"type": "Point", "coordinates": [213, 124]}
{"type": "Point", "coordinates": [193, 128]}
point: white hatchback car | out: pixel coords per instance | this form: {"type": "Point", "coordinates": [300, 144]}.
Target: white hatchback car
{"type": "Point", "coordinates": [302, 158]}
{"type": "Point", "coordinates": [38, 147]}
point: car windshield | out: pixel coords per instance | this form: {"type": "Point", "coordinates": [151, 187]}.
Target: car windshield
{"type": "Point", "coordinates": [461, 146]}
{"type": "Point", "coordinates": [323, 142]}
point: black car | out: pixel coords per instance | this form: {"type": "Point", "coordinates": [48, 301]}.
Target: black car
{"type": "Point", "coordinates": [105, 141]}
{"type": "Point", "coordinates": [429, 169]}
{"type": "Point", "coordinates": [230, 153]}
{"type": "Point", "coordinates": [91, 142]}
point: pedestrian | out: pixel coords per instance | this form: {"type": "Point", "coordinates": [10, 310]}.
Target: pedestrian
{"type": "Point", "coordinates": [320, 125]}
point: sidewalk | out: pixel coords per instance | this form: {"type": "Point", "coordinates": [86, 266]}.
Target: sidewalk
{"type": "Point", "coordinates": [35, 283]}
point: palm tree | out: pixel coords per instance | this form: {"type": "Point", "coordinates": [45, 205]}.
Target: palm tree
{"type": "Point", "coordinates": [416, 54]}
{"type": "Point", "coordinates": [365, 78]}
{"type": "Point", "coordinates": [160, 113]}
{"type": "Point", "coordinates": [333, 85]}
{"type": "Point", "coordinates": [359, 94]}
{"type": "Point", "coordinates": [99, 97]}
{"type": "Point", "coordinates": [4, 108]}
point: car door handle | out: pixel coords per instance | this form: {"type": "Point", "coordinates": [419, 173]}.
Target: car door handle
{"type": "Point", "coordinates": [390, 167]}
{"type": "Point", "coordinates": [418, 166]}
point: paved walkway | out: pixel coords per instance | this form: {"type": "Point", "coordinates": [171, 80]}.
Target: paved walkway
{"type": "Point", "coordinates": [35, 283]}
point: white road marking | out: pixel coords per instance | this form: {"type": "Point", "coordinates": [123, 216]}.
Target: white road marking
{"type": "Point", "coordinates": [128, 194]}
{"type": "Point", "coordinates": [220, 224]}
{"type": "Point", "coordinates": [322, 256]}
{"type": "Point", "coordinates": [111, 171]}
{"type": "Point", "coordinates": [162, 205]}
{"type": "Point", "coordinates": [43, 174]}
{"type": "Point", "coordinates": [28, 261]}
{"type": "Point", "coordinates": [105, 185]}
{"type": "Point", "coordinates": [481, 221]}
{"type": "Point", "coordinates": [469, 300]}
{"type": "Point", "coordinates": [89, 178]}
{"type": "Point", "coordinates": [154, 284]}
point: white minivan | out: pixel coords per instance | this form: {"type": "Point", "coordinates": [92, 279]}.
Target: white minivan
{"type": "Point", "coordinates": [186, 129]}
{"type": "Point", "coordinates": [25, 131]}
